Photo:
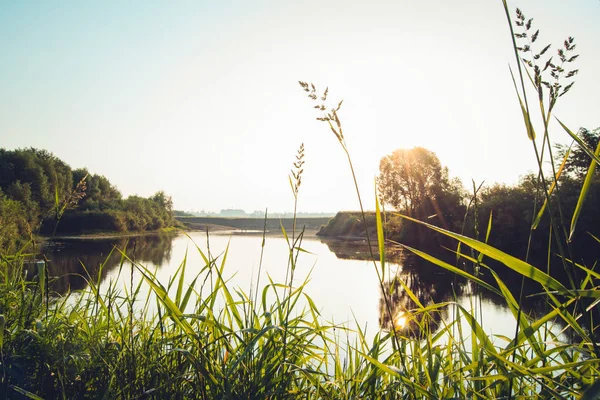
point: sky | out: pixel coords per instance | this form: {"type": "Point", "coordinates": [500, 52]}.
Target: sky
{"type": "Point", "coordinates": [201, 99]}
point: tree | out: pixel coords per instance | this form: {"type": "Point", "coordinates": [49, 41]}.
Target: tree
{"type": "Point", "coordinates": [512, 211]}
{"type": "Point", "coordinates": [13, 224]}
{"type": "Point", "coordinates": [100, 193]}
{"type": "Point", "coordinates": [414, 181]}
{"type": "Point", "coordinates": [46, 194]}
{"type": "Point", "coordinates": [578, 161]}
{"type": "Point", "coordinates": [165, 202]}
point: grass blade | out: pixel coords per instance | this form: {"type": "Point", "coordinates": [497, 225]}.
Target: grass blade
{"type": "Point", "coordinates": [380, 235]}
{"type": "Point", "coordinates": [26, 393]}
{"type": "Point", "coordinates": [451, 268]}
{"type": "Point", "coordinates": [512, 262]}
{"type": "Point", "coordinates": [528, 125]}
{"type": "Point", "coordinates": [2, 324]}
{"type": "Point", "coordinates": [173, 311]}
{"type": "Point", "coordinates": [540, 213]}
{"type": "Point", "coordinates": [580, 142]}
{"type": "Point", "coordinates": [584, 191]}
{"type": "Point", "coordinates": [181, 279]}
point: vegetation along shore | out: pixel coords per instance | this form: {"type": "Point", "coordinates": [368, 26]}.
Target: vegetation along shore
{"type": "Point", "coordinates": [37, 190]}
{"type": "Point", "coordinates": [194, 336]}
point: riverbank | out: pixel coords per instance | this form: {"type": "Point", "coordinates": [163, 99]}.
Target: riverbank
{"type": "Point", "coordinates": [349, 225]}
{"type": "Point", "coordinates": [179, 330]}
{"type": "Point", "coordinates": [212, 229]}
{"type": "Point", "coordinates": [109, 235]}
{"type": "Point", "coordinates": [216, 224]}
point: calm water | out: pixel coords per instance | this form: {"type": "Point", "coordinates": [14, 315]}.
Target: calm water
{"type": "Point", "coordinates": [340, 281]}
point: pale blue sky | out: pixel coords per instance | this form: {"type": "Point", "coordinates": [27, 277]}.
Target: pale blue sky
{"type": "Point", "coordinates": [201, 99]}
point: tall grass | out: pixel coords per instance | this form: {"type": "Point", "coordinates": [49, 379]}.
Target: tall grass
{"type": "Point", "coordinates": [205, 339]}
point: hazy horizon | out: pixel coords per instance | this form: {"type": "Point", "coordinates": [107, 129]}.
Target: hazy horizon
{"type": "Point", "coordinates": [202, 100]}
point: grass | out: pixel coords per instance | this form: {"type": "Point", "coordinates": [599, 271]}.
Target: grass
{"type": "Point", "coordinates": [227, 345]}
{"type": "Point", "coordinates": [207, 340]}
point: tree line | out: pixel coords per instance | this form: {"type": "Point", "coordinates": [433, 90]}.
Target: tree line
{"type": "Point", "coordinates": [40, 193]}
{"type": "Point", "coordinates": [415, 183]}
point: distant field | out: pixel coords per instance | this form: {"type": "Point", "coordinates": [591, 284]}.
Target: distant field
{"type": "Point", "coordinates": [252, 223]}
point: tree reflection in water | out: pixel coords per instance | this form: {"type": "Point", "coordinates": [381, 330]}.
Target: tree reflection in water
{"type": "Point", "coordinates": [73, 261]}
{"type": "Point", "coordinates": [416, 280]}
{"type": "Point", "coordinates": [431, 284]}
{"type": "Point", "coordinates": [428, 284]}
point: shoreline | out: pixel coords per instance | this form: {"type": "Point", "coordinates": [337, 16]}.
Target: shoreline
{"type": "Point", "coordinates": [108, 235]}
{"type": "Point", "coordinates": [211, 229]}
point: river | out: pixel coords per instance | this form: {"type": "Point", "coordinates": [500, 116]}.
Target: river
{"type": "Point", "coordinates": [341, 282]}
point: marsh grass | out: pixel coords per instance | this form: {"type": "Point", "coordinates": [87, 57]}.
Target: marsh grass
{"type": "Point", "coordinates": [198, 337]}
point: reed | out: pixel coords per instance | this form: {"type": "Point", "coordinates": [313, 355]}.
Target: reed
{"type": "Point", "coordinates": [205, 339]}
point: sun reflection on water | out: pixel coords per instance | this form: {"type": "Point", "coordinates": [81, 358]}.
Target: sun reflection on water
{"type": "Point", "coordinates": [400, 320]}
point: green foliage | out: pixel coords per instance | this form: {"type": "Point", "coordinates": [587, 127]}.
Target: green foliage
{"type": "Point", "coordinates": [533, 363]}
{"type": "Point", "coordinates": [415, 182]}
{"type": "Point", "coordinates": [33, 176]}
{"type": "Point", "coordinates": [207, 341]}
{"type": "Point", "coordinates": [180, 213]}
{"type": "Point", "coordinates": [409, 177]}
{"type": "Point", "coordinates": [39, 190]}
{"type": "Point", "coordinates": [100, 193]}
{"type": "Point", "coordinates": [77, 222]}
{"type": "Point", "coordinates": [349, 225]}
{"type": "Point", "coordinates": [188, 342]}
{"type": "Point", "coordinates": [512, 208]}
{"type": "Point", "coordinates": [13, 226]}
{"type": "Point", "coordinates": [578, 161]}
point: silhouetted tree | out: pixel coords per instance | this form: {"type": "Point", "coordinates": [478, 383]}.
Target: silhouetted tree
{"type": "Point", "coordinates": [512, 210]}
{"type": "Point", "coordinates": [578, 161]}
{"type": "Point", "coordinates": [414, 182]}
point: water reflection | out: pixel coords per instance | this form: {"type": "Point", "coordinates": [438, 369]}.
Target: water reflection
{"type": "Point", "coordinates": [71, 262]}
{"type": "Point", "coordinates": [415, 282]}
{"type": "Point", "coordinates": [342, 281]}
{"type": "Point", "coordinates": [357, 249]}
{"type": "Point", "coordinates": [416, 279]}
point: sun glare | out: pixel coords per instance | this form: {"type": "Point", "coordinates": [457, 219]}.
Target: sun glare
{"type": "Point", "coordinates": [400, 320]}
